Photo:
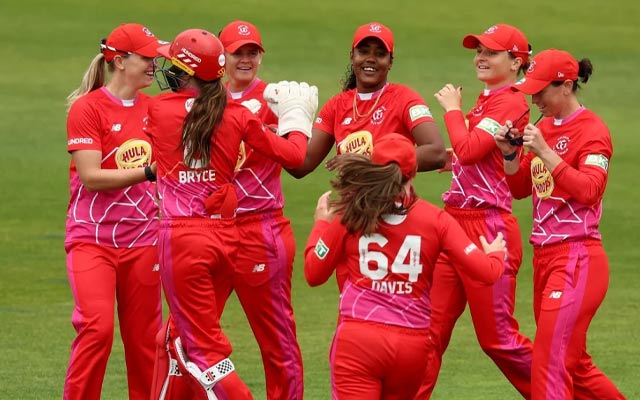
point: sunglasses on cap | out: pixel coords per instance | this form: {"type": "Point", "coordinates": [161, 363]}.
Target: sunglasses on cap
{"type": "Point", "coordinates": [104, 46]}
{"type": "Point", "coordinates": [519, 141]}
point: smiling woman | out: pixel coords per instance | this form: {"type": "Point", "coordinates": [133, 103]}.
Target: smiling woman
{"type": "Point", "coordinates": [481, 202]}
{"type": "Point", "coordinates": [112, 219]}
{"type": "Point", "coordinates": [370, 106]}
{"type": "Point", "coordinates": [268, 241]}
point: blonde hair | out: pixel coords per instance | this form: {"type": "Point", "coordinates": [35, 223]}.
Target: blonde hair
{"type": "Point", "coordinates": [367, 191]}
{"type": "Point", "coordinates": [94, 78]}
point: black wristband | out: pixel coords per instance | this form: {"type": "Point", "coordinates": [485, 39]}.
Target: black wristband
{"type": "Point", "coordinates": [510, 157]}
{"type": "Point", "coordinates": [151, 177]}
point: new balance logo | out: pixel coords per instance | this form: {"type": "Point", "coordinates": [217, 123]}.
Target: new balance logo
{"type": "Point", "coordinates": [556, 294]}
{"type": "Point", "coordinates": [347, 121]}
{"type": "Point", "coordinates": [116, 127]}
{"type": "Point", "coordinates": [258, 268]}
{"type": "Point", "coordinates": [156, 268]}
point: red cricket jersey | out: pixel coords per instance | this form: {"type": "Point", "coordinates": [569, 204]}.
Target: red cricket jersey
{"type": "Point", "coordinates": [390, 271]}
{"type": "Point", "coordinates": [477, 167]}
{"type": "Point", "coordinates": [567, 204]}
{"type": "Point", "coordinates": [257, 179]}
{"type": "Point", "coordinates": [394, 108]}
{"type": "Point", "coordinates": [119, 218]}
{"type": "Point", "coordinates": [184, 189]}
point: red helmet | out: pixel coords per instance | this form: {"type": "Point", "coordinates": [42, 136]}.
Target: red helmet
{"type": "Point", "coordinates": [196, 52]}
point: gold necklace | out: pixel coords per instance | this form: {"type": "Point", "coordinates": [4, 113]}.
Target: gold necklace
{"type": "Point", "coordinates": [356, 113]}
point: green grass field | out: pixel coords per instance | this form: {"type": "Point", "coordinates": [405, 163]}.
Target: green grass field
{"type": "Point", "coordinates": [46, 47]}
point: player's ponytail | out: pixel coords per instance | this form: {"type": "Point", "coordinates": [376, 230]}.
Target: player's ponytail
{"type": "Point", "coordinates": [585, 69]}
{"type": "Point", "coordinates": [202, 120]}
{"type": "Point", "coordinates": [94, 78]}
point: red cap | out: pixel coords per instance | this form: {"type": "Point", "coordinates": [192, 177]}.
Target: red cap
{"type": "Point", "coordinates": [130, 38]}
{"type": "Point", "coordinates": [501, 37]}
{"type": "Point", "coordinates": [239, 33]}
{"type": "Point", "coordinates": [376, 30]}
{"type": "Point", "coordinates": [548, 66]}
{"type": "Point", "coordinates": [394, 147]}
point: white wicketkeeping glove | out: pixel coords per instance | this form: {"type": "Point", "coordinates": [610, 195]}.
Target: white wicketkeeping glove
{"type": "Point", "coordinates": [294, 103]}
{"type": "Point", "coordinates": [253, 105]}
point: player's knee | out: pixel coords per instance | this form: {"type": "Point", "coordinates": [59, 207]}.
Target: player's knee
{"type": "Point", "coordinates": [99, 333]}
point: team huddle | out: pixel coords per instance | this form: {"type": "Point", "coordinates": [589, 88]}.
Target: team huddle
{"type": "Point", "coordinates": [165, 191]}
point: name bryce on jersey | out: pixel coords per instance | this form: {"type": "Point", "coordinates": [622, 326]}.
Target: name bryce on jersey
{"type": "Point", "coordinates": [197, 176]}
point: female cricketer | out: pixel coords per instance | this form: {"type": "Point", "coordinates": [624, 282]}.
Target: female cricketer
{"type": "Point", "coordinates": [370, 106]}
{"type": "Point", "coordinates": [479, 199]}
{"type": "Point", "coordinates": [565, 172]}
{"type": "Point", "coordinates": [388, 240]}
{"type": "Point", "coordinates": [263, 269]}
{"type": "Point", "coordinates": [112, 219]}
{"type": "Point", "coordinates": [196, 134]}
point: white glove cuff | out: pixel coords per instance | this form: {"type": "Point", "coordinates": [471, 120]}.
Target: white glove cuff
{"type": "Point", "coordinates": [295, 119]}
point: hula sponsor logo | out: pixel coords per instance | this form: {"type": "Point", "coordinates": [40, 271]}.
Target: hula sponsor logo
{"type": "Point", "coordinates": [360, 142]}
{"type": "Point", "coordinates": [133, 153]}
{"type": "Point", "coordinates": [419, 111]}
{"type": "Point", "coordinates": [598, 160]}
{"type": "Point", "coordinates": [489, 125]}
{"type": "Point", "coordinates": [321, 249]}
{"type": "Point", "coordinates": [541, 178]}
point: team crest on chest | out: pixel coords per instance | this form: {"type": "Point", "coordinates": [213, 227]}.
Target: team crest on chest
{"type": "Point", "coordinates": [476, 112]}
{"type": "Point", "coordinates": [378, 116]}
{"type": "Point", "coordinates": [562, 145]}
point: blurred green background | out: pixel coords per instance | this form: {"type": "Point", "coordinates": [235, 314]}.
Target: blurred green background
{"type": "Point", "coordinates": [46, 47]}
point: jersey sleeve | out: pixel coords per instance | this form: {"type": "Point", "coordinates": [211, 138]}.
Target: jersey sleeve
{"type": "Point", "coordinates": [326, 117]}
{"type": "Point", "coordinates": [466, 257]}
{"type": "Point", "coordinates": [83, 127]}
{"type": "Point", "coordinates": [588, 181]}
{"type": "Point", "coordinates": [416, 110]}
{"type": "Point", "coordinates": [323, 251]}
{"type": "Point", "coordinates": [520, 183]}
{"type": "Point", "coordinates": [289, 152]}
{"type": "Point", "coordinates": [471, 146]}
